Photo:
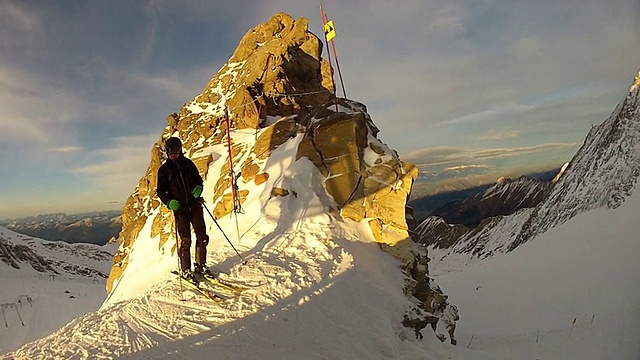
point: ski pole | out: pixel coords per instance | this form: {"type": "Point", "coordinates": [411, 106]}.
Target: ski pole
{"type": "Point", "coordinates": [225, 235]}
{"type": "Point", "coordinates": [175, 226]}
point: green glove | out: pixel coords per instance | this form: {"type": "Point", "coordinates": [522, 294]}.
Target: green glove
{"type": "Point", "coordinates": [197, 191]}
{"type": "Point", "coordinates": [173, 204]}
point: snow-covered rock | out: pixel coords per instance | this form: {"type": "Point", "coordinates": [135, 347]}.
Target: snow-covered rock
{"type": "Point", "coordinates": [323, 219]}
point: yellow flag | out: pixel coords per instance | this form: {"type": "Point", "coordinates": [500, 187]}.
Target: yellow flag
{"type": "Point", "coordinates": [329, 30]}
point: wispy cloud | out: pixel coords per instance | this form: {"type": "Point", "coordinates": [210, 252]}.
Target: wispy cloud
{"type": "Point", "coordinates": [67, 149]}
{"type": "Point", "coordinates": [33, 110]}
{"type": "Point", "coordinates": [500, 135]}
{"type": "Point", "coordinates": [118, 168]}
{"type": "Point", "coordinates": [510, 110]}
{"type": "Point", "coordinates": [467, 167]}
{"type": "Point", "coordinates": [12, 14]}
{"type": "Point", "coordinates": [485, 154]}
{"type": "Point", "coordinates": [21, 130]}
{"type": "Point", "coordinates": [114, 171]}
{"type": "Point", "coordinates": [449, 155]}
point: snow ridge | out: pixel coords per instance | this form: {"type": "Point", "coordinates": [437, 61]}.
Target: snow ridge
{"type": "Point", "coordinates": [603, 173]}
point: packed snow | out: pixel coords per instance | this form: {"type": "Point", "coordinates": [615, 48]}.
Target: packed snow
{"type": "Point", "coordinates": [34, 304]}
{"type": "Point", "coordinates": [571, 293]}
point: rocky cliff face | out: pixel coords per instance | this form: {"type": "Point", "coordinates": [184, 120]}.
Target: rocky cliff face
{"type": "Point", "coordinates": [275, 72]}
{"type": "Point", "coordinates": [277, 93]}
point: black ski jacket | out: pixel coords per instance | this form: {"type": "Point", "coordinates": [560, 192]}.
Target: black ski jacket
{"type": "Point", "coordinates": [176, 180]}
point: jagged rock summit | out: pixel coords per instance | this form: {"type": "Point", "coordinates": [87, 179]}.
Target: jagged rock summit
{"type": "Point", "coordinates": [321, 198]}
{"type": "Point", "coordinates": [277, 92]}
{"type": "Point", "coordinates": [301, 154]}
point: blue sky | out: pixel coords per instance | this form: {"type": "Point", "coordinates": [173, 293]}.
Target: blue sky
{"type": "Point", "coordinates": [506, 86]}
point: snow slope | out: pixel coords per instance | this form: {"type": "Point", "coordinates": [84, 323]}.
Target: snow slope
{"type": "Point", "coordinates": [317, 290]}
{"type": "Point", "coordinates": [44, 302]}
{"type": "Point", "coordinates": [522, 305]}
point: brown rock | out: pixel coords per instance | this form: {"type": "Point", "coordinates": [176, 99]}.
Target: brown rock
{"type": "Point", "coordinates": [277, 191]}
{"type": "Point", "coordinates": [261, 178]}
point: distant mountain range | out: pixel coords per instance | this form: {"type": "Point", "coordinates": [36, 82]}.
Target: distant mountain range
{"type": "Point", "coordinates": [504, 198]}
{"type": "Point", "coordinates": [93, 228]}
{"type": "Point", "coordinates": [54, 257]}
{"type": "Point", "coordinates": [441, 203]}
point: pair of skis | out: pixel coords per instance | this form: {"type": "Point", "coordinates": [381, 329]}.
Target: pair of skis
{"type": "Point", "coordinates": [212, 288]}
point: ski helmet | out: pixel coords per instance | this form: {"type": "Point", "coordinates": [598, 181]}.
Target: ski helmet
{"type": "Point", "coordinates": [173, 145]}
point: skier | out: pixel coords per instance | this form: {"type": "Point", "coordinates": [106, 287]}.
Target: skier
{"type": "Point", "coordinates": [179, 188]}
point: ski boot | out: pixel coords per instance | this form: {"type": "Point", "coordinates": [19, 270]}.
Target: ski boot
{"type": "Point", "coordinates": [203, 270]}
{"type": "Point", "coordinates": [189, 275]}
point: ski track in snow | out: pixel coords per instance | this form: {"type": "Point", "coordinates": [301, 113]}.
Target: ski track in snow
{"type": "Point", "coordinates": [285, 273]}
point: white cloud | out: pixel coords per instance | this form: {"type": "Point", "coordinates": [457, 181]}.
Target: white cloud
{"type": "Point", "coordinates": [34, 112]}
{"type": "Point", "coordinates": [13, 15]}
{"type": "Point", "coordinates": [499, 135]}
{"type": "Point", "coordinates": [118, 168]}
{"type": "Point", "coordinates": [467, 167]}
{"type": "Point", "coordinates": [457, 155]}
{"type": "Point", "coordinates": [18, 129]}
{"type": "Point", "coordinates": [67, 149]}
{"type": "Point", "coordinates": [181, 87]}
{"type": "Point", "coordinates": [433, 154]}
{"type": "Point", "coordinates": [509, 110]}
{"type": "Point", "coordinates": [449, 18]}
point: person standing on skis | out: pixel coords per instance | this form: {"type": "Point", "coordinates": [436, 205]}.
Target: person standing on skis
{"type": "Point", "coordinates": [179, 188]}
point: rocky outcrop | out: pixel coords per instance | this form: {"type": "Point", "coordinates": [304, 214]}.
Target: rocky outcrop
{"type": "Point", "coordinates": [18, 255]}
{"type": "Point", "coordinates": [274, 92]}
{"type": "Point", "coordinates": [366, 180]}
{"type": "Point", "coordinates": [276, 71]}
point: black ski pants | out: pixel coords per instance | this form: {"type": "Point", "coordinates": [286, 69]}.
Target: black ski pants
{"type": "Point", "coordinates": [184, 222]}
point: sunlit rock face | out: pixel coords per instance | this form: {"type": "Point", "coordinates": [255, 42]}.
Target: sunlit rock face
{"type": "Point", "coordinates": [276, 92]}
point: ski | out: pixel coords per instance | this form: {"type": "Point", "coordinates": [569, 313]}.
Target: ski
{"type": "Point", "coordinates": [215, 281]}
{"type": "Point", "coordinates": [224, 284]}
{"type": "Point", "coordinates": [211, 296]}
{"type": "Point", "coordinates": [208, 293]}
